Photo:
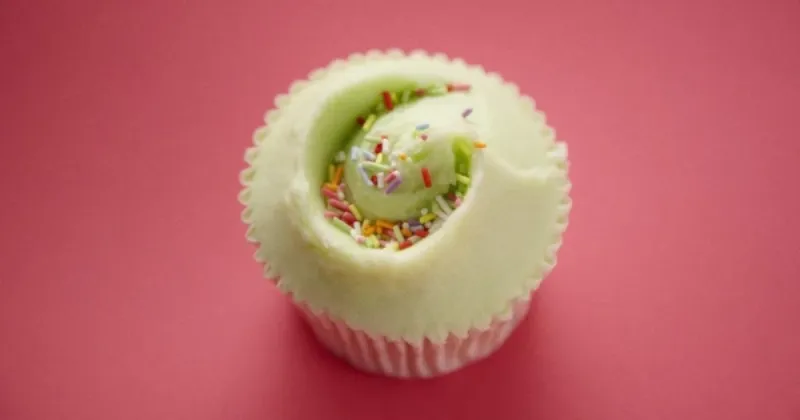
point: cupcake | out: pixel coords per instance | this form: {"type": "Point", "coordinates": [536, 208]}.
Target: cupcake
{"type": "Point", "coordinates": [408, 205]}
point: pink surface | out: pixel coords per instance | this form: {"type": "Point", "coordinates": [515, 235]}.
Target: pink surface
{"type": "Point", "coordinates": [127, 290]}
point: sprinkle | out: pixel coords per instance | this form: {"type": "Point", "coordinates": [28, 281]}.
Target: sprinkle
{"type": "Point", "coordinates": [360, 121]}
{"type": "Point", "coordinates": [331, 187]}
{"type": "Point", "coordinates": [427, 218]}
{"type": "Point", "coordinates": [424, 137]}
{"type": "Point", "coordinates": [406, 96]}
{"type": "Point", "coordinates": [385, 145]}
{"type": "Point", "coordinates": [443, 204]}
{"type": "Point", "coordinates": [379, 158]}
{"type": "Point", "coordinates": [421, 233]}
{"type": "Point", "coordinates": [374, 167]}
{"type": "Point", "coordinates": [479, 144]}
{"type": "Point", "coordinates": [368, 155]}
{"type": "Point", "coordinates": [348, 218]}
{"type": "Point", "coordinates": [402, 156]}
{"type": "Point", "coordinates": [338, 205]}
{"type": "Point", "coordinates": [458, 87]}
{"type": "Point", "coordinates": [374, 241]}
{"type": "Point", "coordinates": [406, 232]}
{"type": "Point", "coordinates": [462, 179]}
{"type": "Point", "coordinates": [398, 233]}
{"type": "Point", "coordinates": [360, 240]}
{"type": "Point", "coordinates": [379, 148]}
{"type": "Point", "coordinates": [373, 139]}
{"type": "Point", "coordinates": [369, 230]}
{"type": "Point", "coordinates": [384, 224]}
{"type": "Point", "coordinates": [373, 180]}
{"type": "Point", "coordinates": [387, 100]}
{"type": "Point", "coordinates": [436, 90]}
{"type": "Point", "coordinates": [341, 225]}
{"type": "Point", "coordinates": [426, 177]}
{"type": "Point", "coordinates": [356, 213]}
{"type": "Point", "coordinates": [423, 126]}
{"type": "Point", "coordinates": [363, 174]}
{"type": "Point", "coordinates": [340, 195]}
{"type": "Point", "coordinates": [392, 176]}
{"type": "Point", "coordinates": [356, 228]}
{"type": "Point", "coordinates": [419, 92]}
{"type": "Point", "coordinates": [354, 153]}
{"type": "Point", "coordinates": [368, 123]}
{"type": "Point", "coordinates": [413, 222]}
{"type": "Point", "coordinates": [331, 172]}
{"type": "Point", "coordinates": [330, 194]}
{"type": "Point", "coordinates": [405, 244]}
{"type": "Point", "coordinates": [423, 212]}
{"type": "Point", "coordinates": [457, 202]}
{"type": "Point", "coordinates": [441, 214]}
{"type": "Point", "coordinates": [380, 183]}
{"type": "Point", "coordinates": [337, 176]}
{"type": "Point", "coordinates": [393, 185]}
{"type": "Point", "coordinates": [466, 112]}
{"type": "Point", "coordinates": [330, 214]}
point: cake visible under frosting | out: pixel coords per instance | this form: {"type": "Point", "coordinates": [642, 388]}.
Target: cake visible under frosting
{"type": "Point", "coordinates": [496, 247]}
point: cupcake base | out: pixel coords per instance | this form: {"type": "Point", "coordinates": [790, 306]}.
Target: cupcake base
{"type": "Point", "coordinates": [401, 359]}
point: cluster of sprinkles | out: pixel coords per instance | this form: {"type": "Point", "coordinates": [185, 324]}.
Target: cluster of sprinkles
{"type": "Point", "coordinates": [377, 168]}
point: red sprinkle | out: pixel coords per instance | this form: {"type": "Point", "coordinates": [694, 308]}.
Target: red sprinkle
{"type": "Point", "coordinates": [330, 194]}
{"type": "Point", "coordinates": [404, 244]}
{"type": "Point", "coordinates": [374, 180]}
{"type": "Point", "coordinates": [329, 214]}
{"type": "Point", "coordinates": [348, 218]}
{"type": "Point", "coordinates": [338, 204]}
{"type": "Point", "coordinates": [419, 92]}
{"type": "Point", "coordinates": [387, 100]}
{"type": "Point", "coordinates": [424, 137]}
{"type": "Point", "coordinates": [451, 196]}
{"type": "Point", "coordinates": [460, 87]}
{"type": "Point", "coordinates": [361, 120]}
{"type": "Point", "coordinates": [391, 177]}
{"type": "Point", "coordinates": [426, 177]}
{"type": "Point", "coordinates": [378, 148]}
{"type": "Point", "coordinates": [421, 233]}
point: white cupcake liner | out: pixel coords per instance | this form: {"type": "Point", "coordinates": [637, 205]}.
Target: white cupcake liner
{"type": "Point", "coordinates": [401, 359]}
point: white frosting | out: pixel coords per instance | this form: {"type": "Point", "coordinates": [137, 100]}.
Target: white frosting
{"type": "Point", "coordinates": [496, 247]}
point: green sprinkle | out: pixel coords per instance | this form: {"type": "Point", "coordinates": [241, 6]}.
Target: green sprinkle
{"type": "Point", "coordinates": [374, 241]}
{"type": "Point", "coordinates": [356, 213]}
{"type": "Point", "coordinates": [374, 167]}
{"type": "Point", "coordinates": [462, 179]}
{"type": "Point", "coordinates": [436, 90]}
{"type": "Point", "coordinates": [368, 123]}
{"type": "Point", "coordinates": [339, 223]}
{"type": "Point", "coordinates": [406, 96]}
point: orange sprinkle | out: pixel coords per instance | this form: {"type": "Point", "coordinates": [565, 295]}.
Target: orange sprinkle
{"type": "Point", "coordinates": [479, 144]}
{"type": "Point", "coordinates": [337, 176]}
{"type": "Point", "coordinates": [406, 232]}
{"type": "Point", "coordinates": [384, 224]}
{"type": "Point", "coordinates": [405, 244]}
{"type": "Point", "coordinates": [331, 187]}
{"type": "Point", "coordinates": [368, 230]}
{"type": "Point", "coordinates": [402, 156]}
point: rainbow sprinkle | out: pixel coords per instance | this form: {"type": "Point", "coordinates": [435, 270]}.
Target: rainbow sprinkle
{"type": "Point", "coordinates": [377, 166]}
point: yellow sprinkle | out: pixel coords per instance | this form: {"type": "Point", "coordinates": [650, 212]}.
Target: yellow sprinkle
{"type": "Point", "coordinates": [331, 187]}
{"type": "Point", "coordinates": [355, 212]}
{"type": "Point", "coordinates": [402, 156]}
{"type": "Point", "coordinates": [368, 123]}
{"type": "Point", "coordinates": [367, 231]}
{"type": "Point", "coordinates": [379, 158]}
{"type": "Point", "coordinates": [427, 218]}
{"type": "Point", "coordinates": [394, 97]}
{"type": "Point", "coordinates": [337, 176]}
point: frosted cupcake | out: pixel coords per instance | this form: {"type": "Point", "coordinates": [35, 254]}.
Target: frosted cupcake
{"type": "Point", "coordinates": [409, 205]}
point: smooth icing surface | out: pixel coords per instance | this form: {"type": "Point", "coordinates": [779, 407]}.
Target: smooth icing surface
{"type": "Point", "coordinates": [495, 248]}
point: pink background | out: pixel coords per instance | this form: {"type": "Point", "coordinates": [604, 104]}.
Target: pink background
{"type": "Point", "coordinates": [127, 290]}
